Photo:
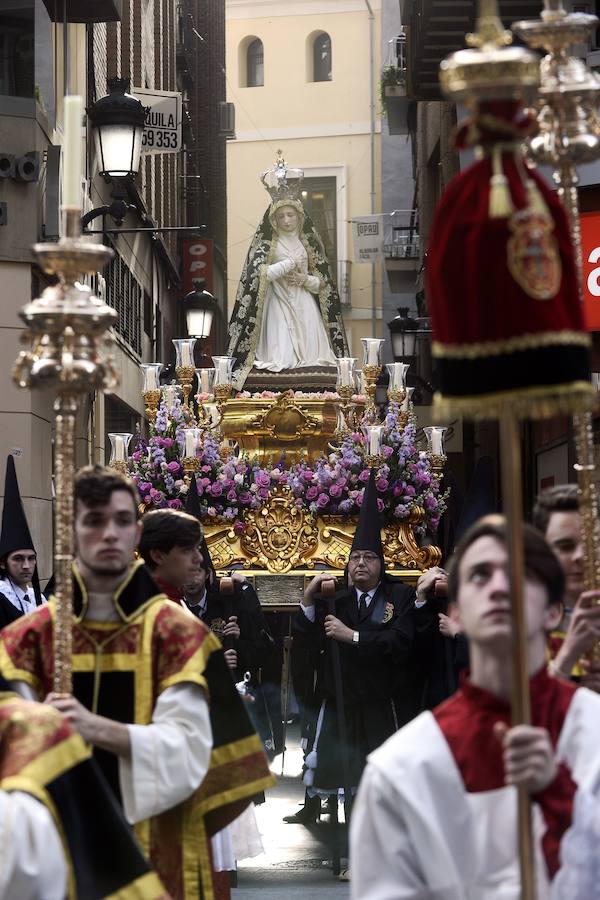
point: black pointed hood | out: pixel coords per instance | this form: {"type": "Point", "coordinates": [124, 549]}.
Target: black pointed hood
{"type": "Point", "coordinates": [15, 534]}
{"type": "Point", "coordinates": [192, 506]}
{"type": "Point", "coordinates": [368, 531]}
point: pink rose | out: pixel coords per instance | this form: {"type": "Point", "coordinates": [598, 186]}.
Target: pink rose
{"type": "Point", "coordinates": [312, 493]}
{"type": "Point", "coordinates": [382, 484]}
{"type": "Point", "coordinates": [364, 475]}
{"type": "Point", "coordinates": [322, 501]}
{"type": "Point", "coordinates": [231, 496]}
{"type": "Point", "coordinates": [173, 467]}
{"type": "Point", "coordinates": [216, 489]}
{"type": "Point", "coordinates": [335, 490]}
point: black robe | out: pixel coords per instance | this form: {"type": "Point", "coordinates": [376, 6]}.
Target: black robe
{"type": "Point", "coordinates": [382, 682]}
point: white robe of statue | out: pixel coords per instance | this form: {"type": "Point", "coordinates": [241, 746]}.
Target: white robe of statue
{"type": "Point", "coordinates": [292, 334]}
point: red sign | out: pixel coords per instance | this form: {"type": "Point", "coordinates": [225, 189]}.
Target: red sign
{"type": "Point", "coordinates": [197, 263]}
{"type": "Point", "coordinates": [590, 254]}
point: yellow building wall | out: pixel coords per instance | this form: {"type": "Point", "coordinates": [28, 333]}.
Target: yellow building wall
{"type": "Point", "coordinates": [322, 127]}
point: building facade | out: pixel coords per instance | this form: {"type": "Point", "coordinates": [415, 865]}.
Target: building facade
{"type": "Point", "coordinates": [148, 43]}
{"type": "Point", "coordinates": [302, 76]}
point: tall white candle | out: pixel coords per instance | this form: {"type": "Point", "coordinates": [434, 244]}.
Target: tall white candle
{"type": "Point", "coordinates": [437, 446]}
{"type": "Point", "coordinates": [204, 385]}
{"type": "Point", "coordinates": [119, 448]}
{"type": "Point", "coordinates": [345, 371]}
{"type": "Point", "coordinates": [190, 442]}
{"type": "Point", "coordinates": [223, 371]}
{"type": "Point", "coordinates": [170, 393]}
{"type": "Point", "coordinates": [186, 356]}
{"type": "Point", "coordinates": [73, 115]}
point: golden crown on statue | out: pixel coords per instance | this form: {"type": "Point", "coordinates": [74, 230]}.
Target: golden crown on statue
{"type": "Point", "coordinates": [281, 182]}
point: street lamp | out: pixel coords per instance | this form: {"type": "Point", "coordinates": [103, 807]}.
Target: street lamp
{"type": "Point", "coordinates": [118, 124]}
{"type": "Point", "coordinates": [200, 308]}
{"type": "Point", "coordinates": [403, 332]}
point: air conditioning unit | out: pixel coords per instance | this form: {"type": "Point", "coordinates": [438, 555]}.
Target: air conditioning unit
{"type": "Point", "coordinates": [227, 121]}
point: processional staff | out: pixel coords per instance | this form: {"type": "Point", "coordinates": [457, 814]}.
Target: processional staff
{"type": "Point", "coordinates": [495, 343]}
{"type": "Point", "coordinates": [569, 135]}
{"type": "Point", "coordinates": [70, 352]}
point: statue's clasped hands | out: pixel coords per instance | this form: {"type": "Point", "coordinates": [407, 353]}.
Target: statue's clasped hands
{"type": "Point", "coordinates": [296, 278]}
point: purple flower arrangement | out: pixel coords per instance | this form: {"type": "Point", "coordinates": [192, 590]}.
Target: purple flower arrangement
{"type": "Point", "coordinates": [331, 485]}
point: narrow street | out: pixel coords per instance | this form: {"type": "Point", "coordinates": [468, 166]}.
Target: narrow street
{"type": "Point", "coordinates": [297, 859]}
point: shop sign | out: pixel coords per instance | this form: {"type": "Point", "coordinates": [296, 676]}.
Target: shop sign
{"type": "Point", "coordinates": [197, 263]}
{"type": "Point", "coordinates": [162, 130]}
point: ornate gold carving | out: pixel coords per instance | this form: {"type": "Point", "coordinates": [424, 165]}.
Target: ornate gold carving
{"type": "Point", "coordinates": [285, 420]}
{"type": "Point", "coordinates": [280, 537]}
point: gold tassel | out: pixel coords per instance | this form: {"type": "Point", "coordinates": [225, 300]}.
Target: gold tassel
{"type": "Point", "coordinates": [500, 202]}
{"type": "Point", "coordinates": [535, 200]}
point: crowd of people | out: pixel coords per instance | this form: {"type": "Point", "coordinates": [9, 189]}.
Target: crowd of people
{"type": "Point", "coordinates": [156, 735]}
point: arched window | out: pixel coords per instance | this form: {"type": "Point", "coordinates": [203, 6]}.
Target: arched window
{"type": "Point", "coordinates": [322, 57]}
{"type": "Point", "coordinates": [255, 64]}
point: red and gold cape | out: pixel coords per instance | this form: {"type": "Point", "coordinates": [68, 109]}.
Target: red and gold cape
{"type": "Point", "coordinates": [119, 671]}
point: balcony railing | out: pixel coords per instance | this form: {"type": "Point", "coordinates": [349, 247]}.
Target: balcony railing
{"type": "Point", "coordinates": [401, 242]}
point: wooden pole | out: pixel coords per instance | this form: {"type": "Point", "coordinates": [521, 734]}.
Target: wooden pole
{"type": "Point", "coordinates": [512, 501]}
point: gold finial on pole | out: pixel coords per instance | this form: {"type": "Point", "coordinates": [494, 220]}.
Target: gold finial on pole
{"type": "Point", "coordinates": [70, 352]}
{"type": "Point", "coordinates": [489, 28]}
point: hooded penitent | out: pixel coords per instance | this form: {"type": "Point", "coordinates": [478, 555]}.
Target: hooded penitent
{"type": "Point", "coordinates": [368, 530]}
{"type": "Point", "coordinates": [502, 284]}
{"type": "Point", "coordinates": [15, 534]}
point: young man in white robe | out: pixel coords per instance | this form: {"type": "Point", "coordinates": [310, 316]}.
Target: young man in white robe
{"type": "Point", "coordinates": [436, 812]}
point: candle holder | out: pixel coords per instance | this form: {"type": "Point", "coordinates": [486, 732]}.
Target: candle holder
{"type": "Point", "coordinates": [435, 447]}
{"type": "Point", "coordinates": [405, 408]}
{"type": "Point", "coordinates": [206, 382]}
{"type": "Point", "coordinates": [374, 444]}
{"type": "Point", "coordinates": [189, 440]}
{"type": "Point", "coordinates": [70, 352]}
{"type": "Point", "coordinates": [119, 450]}
{"type": "Point", "coordinates": [397, 385]}
{"type": "Point", "coordinates": [370, 376]}
{"type": "Point", "coordinates": [151, 389]}
{"type": "Point", "coordinates": [184, 366]}
{"type": "Point", "coordinates": [346, 408]}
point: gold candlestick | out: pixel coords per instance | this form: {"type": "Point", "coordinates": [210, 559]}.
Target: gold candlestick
{"type": "Point", "coordinates": [345, 393]}
{"type": "Point", "coordinates": [373, 460]}
{"type": "Point", "coordinates": [190, 464]}
{"type": "Point", "coordinates": [397, 396]}
{"type": "Point", "coordinates": [438, 463]}
{"type": "Point", "coordinates": [71, 352]}
{"type": "Point", "coordinates": [371, 374]}
{"type": "Point", "coordinates": [222, 394]}
{"type": "Point", "coordinates": [185, 376]}
{"type": "Point", "coordinates": [152, 401]}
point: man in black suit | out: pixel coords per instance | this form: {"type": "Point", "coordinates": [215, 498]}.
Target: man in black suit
{"type": "Point", "coordinates": [378, 625]}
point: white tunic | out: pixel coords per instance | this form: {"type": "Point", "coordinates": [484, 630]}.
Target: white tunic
{"type": "Point", "coordinates": [292, 334]}
{"type": "Point", "coordinates": [416, 834]}
{"type": "Point", "coordinates": [32, 861]}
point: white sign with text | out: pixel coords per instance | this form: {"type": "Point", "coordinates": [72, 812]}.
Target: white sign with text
{"type": "Point", "coordinates": [162, 132]}
{"type": "Point", "coordinates": [367, 233]}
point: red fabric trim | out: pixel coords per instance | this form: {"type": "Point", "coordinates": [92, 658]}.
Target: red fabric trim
{"type": "Point", "coordinates": [467, 721]}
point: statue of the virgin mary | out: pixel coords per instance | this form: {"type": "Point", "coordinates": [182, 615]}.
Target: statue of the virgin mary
{"type": "Point", "coordinates": [287, 313]}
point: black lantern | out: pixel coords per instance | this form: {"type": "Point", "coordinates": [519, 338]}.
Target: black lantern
{"type": "Point", "coordinates": [403, 332]}
{"type": "Point", "coordinates": [200, 309]}
{"type": "Point", "coordinates": [118, 124]}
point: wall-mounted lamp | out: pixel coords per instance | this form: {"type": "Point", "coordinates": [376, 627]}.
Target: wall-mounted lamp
{"type": "Point", "coordinates": [200, 308]}
{"type": "Point", "coordinates": [117, 122]}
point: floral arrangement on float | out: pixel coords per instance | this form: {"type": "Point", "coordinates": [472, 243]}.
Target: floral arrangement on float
{"type": "Point", "coordinates": [331, 485]}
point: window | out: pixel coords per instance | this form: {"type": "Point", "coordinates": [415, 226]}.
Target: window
{"type": "Point", "coordinates": [322, 57]}
{"type": "Point", "coordinates": [17, 50]}
{"type": "Point", "coordinates": [320, 202]}
{"type": "Point", "coordinates": [124, 293]}
{"type": "Point", "coordinates": [255, 64]}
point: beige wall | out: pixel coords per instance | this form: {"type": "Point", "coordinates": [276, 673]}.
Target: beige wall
{"type": "Point", "coordinates": [322, 127]}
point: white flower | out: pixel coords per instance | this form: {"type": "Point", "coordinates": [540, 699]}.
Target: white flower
{"type": "Point", "coordinates": [238, 478]}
